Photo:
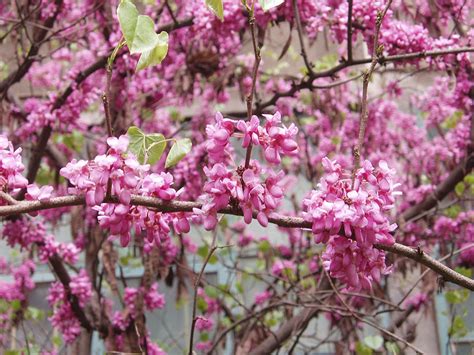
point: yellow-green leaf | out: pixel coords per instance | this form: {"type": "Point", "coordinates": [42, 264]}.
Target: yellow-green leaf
{"type": "Point", "coordinates": [216, 7]}
{"type": "Point", "coordinates": [178, 151]}
{"type": "Point", "coordinates": [146, 147]}
{"type": "Point", "coordinates": [156, 55]}
{"type": "Point", "coordinates": [269, 4]}
{"type": "Point", "coordinates": [138, 30]}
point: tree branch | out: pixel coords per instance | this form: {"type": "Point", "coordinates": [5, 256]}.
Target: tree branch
{"type": "Point", "coordinates": [364, 115]}
{"type": "Point", "coordinates": [300, 37]}
{"type": "Point", "coordinates": [38, 151]}
{"type": "Point", "coordinates": [307, 83]}
{"type": "Point", "coordinates": [349, 31]}
{"type": "Point", "coordinates": [38, 38]}
{"type": "Point", "coordinates": [441, 191]}
{"type": "Point", "coordinates": [188, 206]}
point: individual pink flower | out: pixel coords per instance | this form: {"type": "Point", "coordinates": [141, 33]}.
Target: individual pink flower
{"type": "Point", "coordinates": [203, 323]}
{"type": "Point", "coordinates": [262, 297]}
{"type": "Point", "coordinates": [42, 193]}
{"type": "Point", "coordinates": [250, 130]}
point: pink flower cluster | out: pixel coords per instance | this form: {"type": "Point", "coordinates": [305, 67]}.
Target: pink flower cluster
{"type": "Point", "coordinates": [151, 297]}
{"type": "Point", "coordinates": [274, 137]}
{"type": "Point", "coordinates": [354, 264]}
{"type": "Point", "coordinates": [351, 218]}
{"type": "Point", "coordinates": [81, 287]}
{"type": "Point", "coordinates": [417, 301]}
{"type": "Point", "coordinates": [459, 230]}
{"type": "Point", "coordinates": [126, 177]}
{"type": "Point", "coordinates": [262, 297]}
{"type": "Point", "coordinates": [11, 166]}
{"type": "Point", "coordinates": [22, 282]}
{"type": "Point", "coordinates": [244, 187]}
{"type": "Point", "coordinates": [251, 194]}
{"type": "Point", "coordinates": [283, 268]}
{"type": "Point", "coordinates": [23, 232]}
{"type": "Point", "coordinates": [218, 137]}
{"type": "Point", "coordinates": [152, 300]}
{"type": "Point", "coordinates": [63, 317]}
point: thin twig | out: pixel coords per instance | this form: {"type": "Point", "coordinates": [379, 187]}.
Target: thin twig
{"type": "Point", "coordinates": [376, 326]}
{"type": "Point", "coordinates": [299, 29]}
{"type": "Point", "coordinates": [196, 285]}
{"type": "Point", "coordinates": [376, 52]}
{"type": "Point", "coordinates": [349, 31]}
{"type": "Point", "coordinates": [256, 51]}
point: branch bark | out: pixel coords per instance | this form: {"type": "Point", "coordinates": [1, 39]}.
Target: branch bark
{"type": "Point", "coordinates": [38, 37]}
{"type": "Point", "coordinates": [282, 221]}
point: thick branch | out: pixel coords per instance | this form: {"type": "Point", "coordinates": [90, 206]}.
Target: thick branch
{"type": "Point", "coordinates": [35, 160]}
{"type": "Point", "coordinates": [441, 269]}
{"type": "Point", "coordinates": [285, 332]}
{"type": "Point", "coordinates": [38, 37]}
{"type": "Point", "coordinates": [63, 276]}
{"type": "Point", "coordinates": [188, 206]}
{"type": "Point", "coordinates": [442, 190]}
{"type": "Point", "coordinates": [307, 83]}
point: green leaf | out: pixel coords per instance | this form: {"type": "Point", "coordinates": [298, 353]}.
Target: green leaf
{"type": "Point", "coordinates": [216, 7]}
{"type": "Point", "coordinates": [392, 347]}
{"type": "Point", "coordinates": [453, 211]}
{"type": "Point", "coordinates": [362, 349]}
{"type": "Point", "coordinates": [204, 336]}
{"type": "Point", "coordinates": [239, 287]}
{"type": "Point", "coordinates": [56, 339]}
{"type": "Point", "coordinates": [16, 305]}
{"type": "Point", "coordinates": [269, 4]}
{"type": "Point", "coordinates": [202, 251]}
{"type": "Point", "coordinates": [211, 291]}
{"type": "Point", "coordinates": [178, 151]}
{"type": "Point", "coordinates": [452, 120]}
{"type": "Point", "coordinates": [264, 246]}
{"type": "Point", "coordinates": [34, 313]}
{"type": "Point", "coordinates": [459, 188]}
{"type": "Point", "coordinates": [12, 352]}
{"type": "Point", "coordinates": [137, 142]}
{"type": "Point", "coordinates": [138, 30]}
{"type": "Point", "coordinates": [73, 140]}
{"type": "Point", "coordinates": [373, 341]}
{"type": "Point", "coordinates": [213, 259]}
{"type": "Point", "coordinates": [464, 271]}
{"type": "Point", "coordinates": [456, 296]}
{"type": "Point", "coordinates": [469, 179]}
{"type": "Point", "coordinates": [124, 260]}
{"type": "Point", "coordinates": [155, 150]}
{"type": "Point", "coordinates": [146, 147]}
{"type": "Point", "coordinates": [156, 55]}
{"type": "Point", "coordinates": [458, 328]}
{"type": "Point", "coordinates": [140, 35]}
{"type": "Point", "coordinates": [201, 304]}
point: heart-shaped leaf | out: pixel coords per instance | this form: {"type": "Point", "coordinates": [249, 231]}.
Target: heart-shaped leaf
{"type": "Point", "coordinates": [147, 147]}
{"type": "Point", "coordinates": [269, 4]}
{"type": "Point", "coordinates": [156, 55]}
{"type": "Point", "coordinates": [137, 142]}
{"type": "Point", "coordinates": [138, 30]}
{"type": "Point", "coordinates": [140, 35]}
{"type": "Point", "coordinates": [155, 151]}
{"type": "Point", "coordinates": [178, 151]}
{"type": "Point", "coordinates": [216, 7]}
{"type": "Point", "coordinates": [373, 341]}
